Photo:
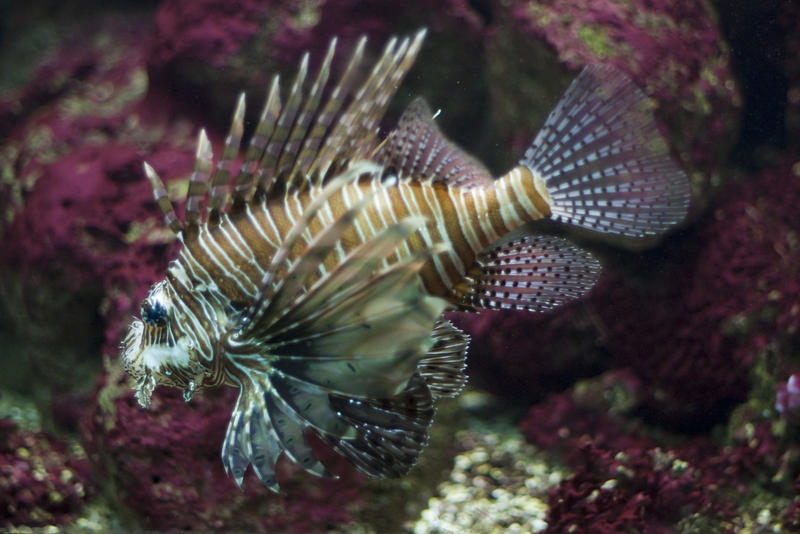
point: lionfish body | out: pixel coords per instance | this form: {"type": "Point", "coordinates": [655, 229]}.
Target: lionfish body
{"type": "Point", "coordinates": [316, 281]}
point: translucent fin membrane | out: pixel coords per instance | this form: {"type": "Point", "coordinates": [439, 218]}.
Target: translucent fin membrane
{"type": "Point", "coordinates": [443, 366]}
{"type": "Point", "coordinates": [604, 162]}
{"type": "Point", "coordinates": [391, 433]}
{"type": "Point", "coordinates": [535, 274]}
{"type": "Point", "coordinates": [418, 150]}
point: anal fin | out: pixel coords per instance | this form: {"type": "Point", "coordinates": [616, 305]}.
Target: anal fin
{"type": "Point", "coordinates": [535, 273]}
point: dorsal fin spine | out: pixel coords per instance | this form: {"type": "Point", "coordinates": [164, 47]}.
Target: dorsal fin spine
{"type": "Point", "coordinates": [332, 107]}
{"type": "Point", "coordinates": [198, 181]}
{"type": "Point", "coordinates": [295, 116]}
{"type": "Point", "coordinates": [220, 181]}
{"type": "Point", "coordinates": [275, 149]}
{"type": "Point", "coordinates": [160, 194]}
{"type": "Point", "coordinates": [306, 154]}
{"type": "Point", "coordinates": [291, 155]}
{"type": "Point", "coordinates": [267, 127]}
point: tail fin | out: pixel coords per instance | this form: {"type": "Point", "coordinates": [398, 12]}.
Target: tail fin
{"type": "Point", "coordinates": [604, 162]}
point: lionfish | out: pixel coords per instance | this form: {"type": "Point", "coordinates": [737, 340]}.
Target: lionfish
{"type": "Point", "coordinates": [316, 276]}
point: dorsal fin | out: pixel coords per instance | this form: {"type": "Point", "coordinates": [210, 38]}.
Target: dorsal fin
{"type": "Point", "coordinates": [297, 145]}
{"type": "Point", "coordinates": [219, 185]}
{"type": "Point", "coordinates": [418, 150]}
{"type": "Point", "coordinates": [310, 140]}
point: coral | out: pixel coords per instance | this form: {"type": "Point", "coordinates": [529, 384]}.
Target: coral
{"type": "Point", "coordinates": [82, 213]}
{"type": "Point", "coordinates": [714, 298]}
{"type": "Point", "coordinates": [674, 51]}
{"type": "Point", "coordinates": [498, 484]}
{"type": "Point", "coordinates": [42, 480]}
{"type": "Point", "coordinates": [209, 31]}
{"type": "Point", "coordinates": [167, 458]}
{"type": "Point", "coordinates": [625, 477]}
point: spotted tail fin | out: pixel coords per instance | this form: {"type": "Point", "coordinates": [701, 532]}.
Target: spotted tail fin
{"type": "Point", "coordinates": [603, 161]}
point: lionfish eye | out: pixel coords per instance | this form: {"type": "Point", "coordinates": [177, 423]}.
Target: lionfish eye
{"type": "Point", "coordinates": [154, 313]}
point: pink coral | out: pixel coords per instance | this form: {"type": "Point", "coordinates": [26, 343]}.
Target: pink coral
{"type": "Point", "coordinates": [42, 482]}
{"type": "Point", "coordinates": [673, 50]}
{"type": "Point", "coordinates": [84, 210]}
{"type": "Point", "coordinates": [625, 480]}
{"type": "Point", "coordinates": [211, 31]}
{"type": "Point", "coordinates": [167, 458]}
{"type": "Point", "coordinates": [556, 349]}
{"type": "Point", "coordinates": [715, 298]}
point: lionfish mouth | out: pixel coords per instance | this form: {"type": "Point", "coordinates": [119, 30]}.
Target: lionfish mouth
{"type": "Point", "coordinates": [133, 364]}
{"type": "Point", "coordinates": [131, 346]}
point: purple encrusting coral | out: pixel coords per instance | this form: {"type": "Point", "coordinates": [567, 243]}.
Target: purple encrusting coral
{"type": "Point", "coordinates": [562, 347]}
{"type": "Point", "coordinates": [80, 208]}
{"type": "Point", "coordinates": [672, 50]}
{"type": "Point", "coordinates": [626, 480]}
{"type": "Point", "coordinates": [42, 482]}
{"type": "Point", "coordinates": [729, 291]}
{"type": "Point", "coordinates": [208, 30]}
{"type": "Point", "coordinates": [167, 458]}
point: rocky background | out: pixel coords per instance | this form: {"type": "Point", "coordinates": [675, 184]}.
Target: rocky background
{"type": "Point", "coordinates": [667, 401]}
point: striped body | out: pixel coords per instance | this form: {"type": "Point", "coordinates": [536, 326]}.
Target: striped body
{"type": "Point", "coordinates": [236, 254]}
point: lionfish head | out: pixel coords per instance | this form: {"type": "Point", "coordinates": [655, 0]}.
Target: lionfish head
{"type": "Point", "coordinates": [155, 353]}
